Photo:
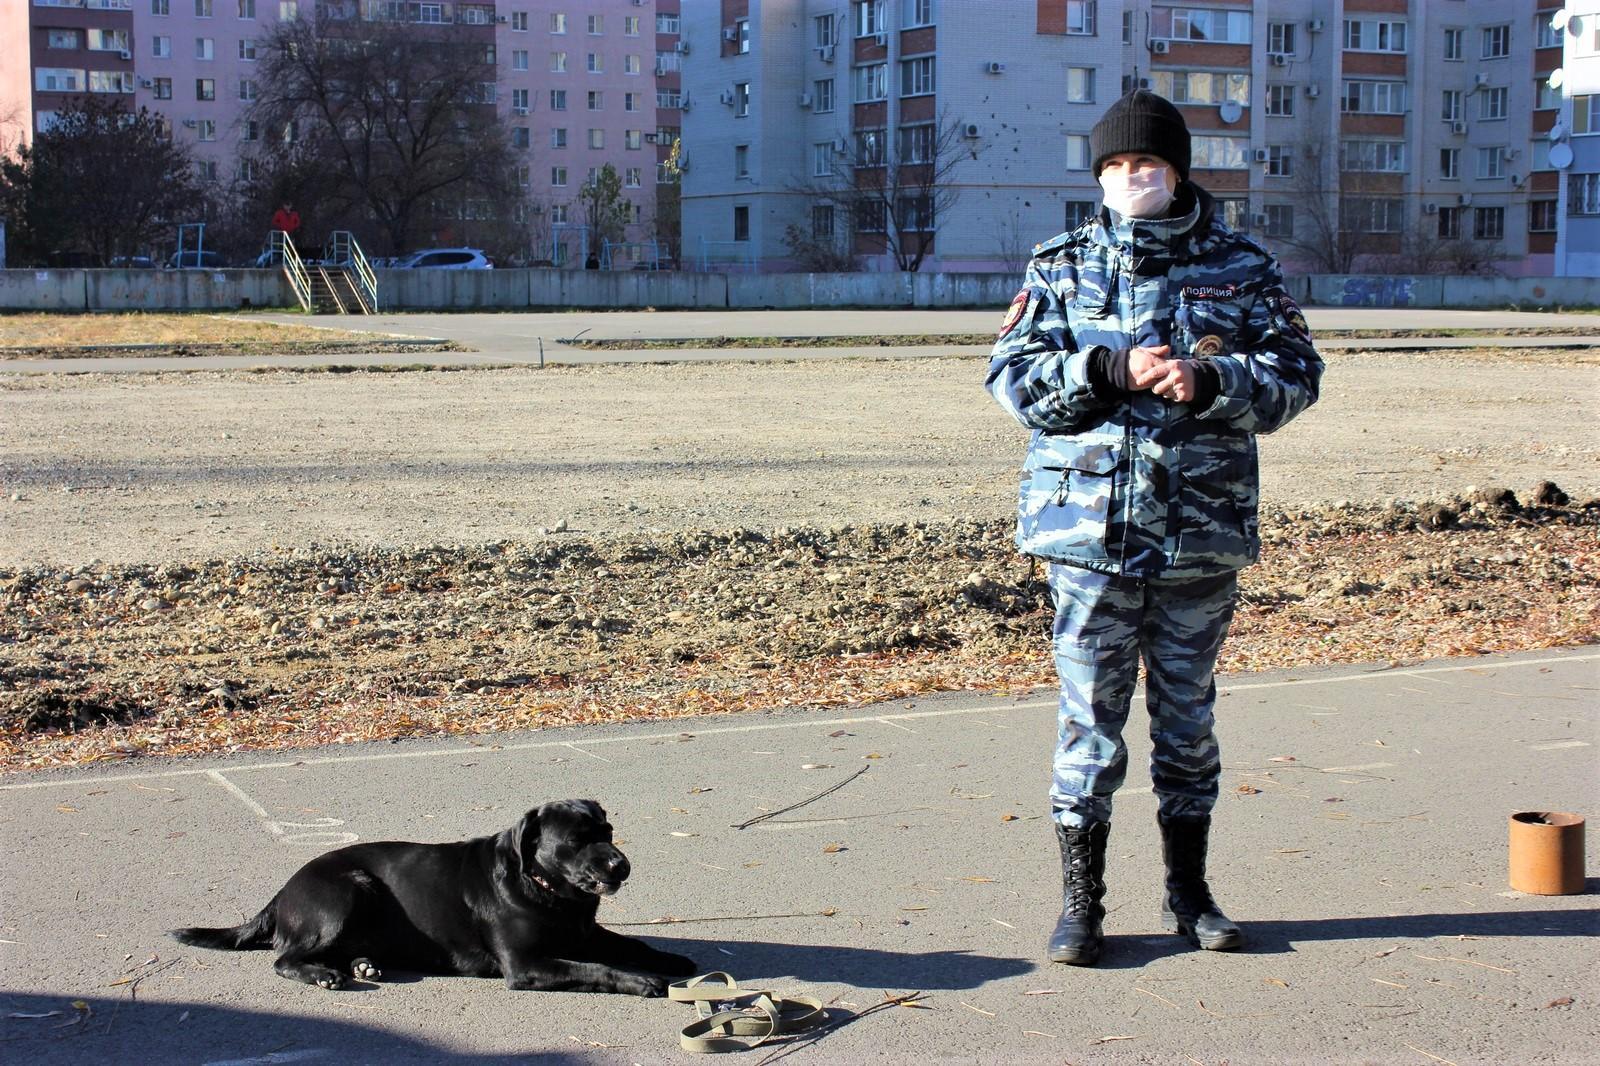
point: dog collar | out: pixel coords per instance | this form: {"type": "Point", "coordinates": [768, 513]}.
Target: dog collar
{"type": "Point", "coordinates": [541, 882]}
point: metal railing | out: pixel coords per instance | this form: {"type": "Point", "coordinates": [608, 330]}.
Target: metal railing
{"type": "Point", "coordinates": [347, 253]}
{"type": "Point", "coordinates": [282, 249]}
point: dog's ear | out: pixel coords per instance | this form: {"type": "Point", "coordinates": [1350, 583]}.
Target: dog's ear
{"type": "Point", "coordinates": [593, 809]}
{"type": "Point", "coordinates": [524, 838]}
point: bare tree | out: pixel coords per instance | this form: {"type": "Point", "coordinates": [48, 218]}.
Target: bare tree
{"type": "Point", "coordinates": [1322, 233]}
{"type": "Point", "coordinates": [401, 117]}
{"type": "Point", "coordinates": [895, 195]}
{"type": "Point", "coordinates": [101, 182]}
{"type": "Point", "coordinates": [1424, 250]}
{"type": "Point", "coordinates": [605, 210]}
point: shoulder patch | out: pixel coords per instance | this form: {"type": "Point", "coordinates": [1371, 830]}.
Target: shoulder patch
{"type": "Point", "coordinates": [1015, 311]}
{"type": "Point", "coordinates": [1288, 313]}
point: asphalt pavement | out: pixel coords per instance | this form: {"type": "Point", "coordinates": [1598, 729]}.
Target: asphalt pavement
{"type": "Point", "coordinates": [1360, 840]}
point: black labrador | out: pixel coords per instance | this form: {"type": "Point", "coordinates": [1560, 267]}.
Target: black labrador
{"type": "Point", "coordinates": [520, 905]}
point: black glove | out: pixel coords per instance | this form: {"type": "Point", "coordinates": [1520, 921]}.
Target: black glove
{"type": "Point", "coordinates": [1108, 371]}
{"type": "Point", "coordinates": [1207, 383]}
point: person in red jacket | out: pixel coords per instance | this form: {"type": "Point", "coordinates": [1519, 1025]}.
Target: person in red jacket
{"type": "Point", "coordinates": [286, 218]}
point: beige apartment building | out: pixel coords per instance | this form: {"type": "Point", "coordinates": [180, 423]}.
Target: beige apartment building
{"type": "Point", "coordinates": [1343, 134]}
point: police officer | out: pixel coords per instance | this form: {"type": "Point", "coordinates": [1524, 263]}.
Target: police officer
{"type": "Point", "coordinates": [1146, 350]}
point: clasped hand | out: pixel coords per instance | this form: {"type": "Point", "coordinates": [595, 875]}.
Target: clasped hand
{"type": "Point", "coordinates": [1172, 379]}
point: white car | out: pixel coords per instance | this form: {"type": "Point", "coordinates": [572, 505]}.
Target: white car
{"type": "Point", "coordinates": [447, 259]}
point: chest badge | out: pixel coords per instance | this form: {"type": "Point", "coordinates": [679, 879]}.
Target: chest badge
{"type": "Point", "coordinates": [1207, 346]}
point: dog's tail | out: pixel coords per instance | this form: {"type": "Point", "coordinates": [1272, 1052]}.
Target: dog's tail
{"type": "Point", "coordinates": [256, 933]}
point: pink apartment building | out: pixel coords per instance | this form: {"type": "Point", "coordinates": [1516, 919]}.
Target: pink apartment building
{"type": "Point", "coordinates": [580, 83]}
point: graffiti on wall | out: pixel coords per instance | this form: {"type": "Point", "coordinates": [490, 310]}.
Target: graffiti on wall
{"type": "Point", "coordinates": [1376, 292]}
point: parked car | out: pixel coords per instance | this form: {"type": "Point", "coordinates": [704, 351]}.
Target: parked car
{"type": "Point", "coordinates": [133, 262]}
{"type": "Point", "coordinates": [447, 259]}
{"type": "Point", "coordinates": [196, 261]}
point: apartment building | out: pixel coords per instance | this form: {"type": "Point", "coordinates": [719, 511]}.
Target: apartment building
{"type": "Point", "coordinates": [1403, 122]}
{"type": "Point", "coordinates": [1573, 142]}
{"type": "Point", "coordinates": [580, 83]}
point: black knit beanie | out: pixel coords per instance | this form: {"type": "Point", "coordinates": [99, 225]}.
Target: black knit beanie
{"type": "Point", "coordinates": [1141, 122]}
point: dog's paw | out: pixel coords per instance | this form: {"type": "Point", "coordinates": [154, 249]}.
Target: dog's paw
{"type": "Point", "coordinates": [676, 965]}
{"type": "Point", "coordinates": [647, 986]}
{"type": "Point", "coordinates": [365, 970]}
{"type": "Point", "coordinates": [332, 980]}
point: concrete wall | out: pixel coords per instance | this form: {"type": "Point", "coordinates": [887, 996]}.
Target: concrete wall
{"type": "Point", "coordinates": [401, 290]}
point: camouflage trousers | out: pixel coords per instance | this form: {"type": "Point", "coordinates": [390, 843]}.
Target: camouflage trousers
{"type": "Point", "coordinates": [1103, 625]}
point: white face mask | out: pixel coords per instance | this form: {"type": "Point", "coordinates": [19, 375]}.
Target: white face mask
{"type": "Point", "coordinates": [1138, 195]}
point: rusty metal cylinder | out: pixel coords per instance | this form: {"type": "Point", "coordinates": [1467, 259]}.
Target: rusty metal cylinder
{"type": "Point", "coordinates": [1547, 853]}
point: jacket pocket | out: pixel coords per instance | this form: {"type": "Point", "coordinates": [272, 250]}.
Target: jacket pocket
{"type": "Point", "coordinates": [1209, 326]}
{"type": "Point", "coordinates": [1217, 517]}
{"type": "Point", "coordinates": [1065, 504]}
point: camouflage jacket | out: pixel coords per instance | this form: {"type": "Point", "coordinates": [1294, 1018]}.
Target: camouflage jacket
{"type": "Point", "coordinates": [1133, 483]}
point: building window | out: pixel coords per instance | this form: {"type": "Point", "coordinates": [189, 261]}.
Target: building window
{"type": "Point", "coordinates": [916, 76]}
{"type": "Point", "coordinates": [1450, 163]}
{"type": "Point", "coordinates": [519, 137]}
{"type": "Point", "coordinates": [1280, 220]}
{"type": "Point", "coordinates": [630, 102]}
{"type": "Point", "coordinates": [202, 9]}
{"type": "Point", "coordinates": [1451, 111]}
{"type": "Point", "coordinates": [160, 47]}
{"type": "Point", "coordinates": [822, 159]}
{"type": "Point", "coordinates": [1201, 87]}
{"type": "Point", "coordinates": [630, 25]}
{"type": "Point", "coordinates": [249, 130]}
{"type": "Point", "coordinates": [668, 99]}
{"type": "Point", "coordinates": [558, 99]}
{"type": "Point", "coordinates": [1488, 223]}
{"type": "Point", "coordinates": [558, 62]}
{"type": "Point", "coordinates": [915, 214]}
{"type": "Point", "coordinates": [1078, 152]}
{"type": "Point", "coordinates": [668, 24]}
{"type": "Point", "coordinates": [204, 48]}
{"type": "Point", "coordinates": [823, 26]}
{"type": "Point", "coordinates": [631, 65]}
{"type": "Point", "coordinates": [1280, 100]}
{"type": "Point", "coordinates": [1280, 161]}
{"type": "Point", "coordinates": [558, 22]}
{"type": "Point", "coordinates": [869, 18]}
{"type": "Point", "coordinates": [1373, 98]}
{"type": "Point", "coordinates": [1450, 223]}
{"type": "Point", "coordinates": [1452, 43]}
{"type": "Point", "coordinates": [741, 36]}
{"type": "Point", "coordinates": [1546, 96]}
{"type": "Point", "coordinates": [68, 39]}
{"type": "Point", "coordinates": [1492, 162]}
{"type": "Point", "coordinates": [1586, 114]}
{"type": "Point", "coordinates": [870, 148]}
{"type": "Point", "coordinates": [916, 13]}
{"type": "Point", "coordinates": [160, 7]}
{"type": "Point", "coordinates": [247, 9]}
{"type": "Point", "coordinates": [1583, 194]}
{"type": "Point", "coordinates": [633, 177]}
{"type": "Point", "coordinates": [558, 137]}
{"type": "Point", "coordinates": [1496, 42]}
{"type": "Point", "coordinates": [1364, 35]}
{"type": "Point", "coordinates": [822, 96]}
{"type": "Point", "coordinates": [1080, 85]}
{"type": "Point", "coordinates": [741, 99]}
{"type": "Point", "coordinates": [206, 130]}
{"type": "Point", "coordinates": [1280, 38]}
{"type": "Point", "coordinates": [1236, 213]}
{"type": "Point", "coordinates": [559, 215]}
{"type": "Point", "coordinates": [872, 83]}
{"type": "Point", "coordinates": [1077, 213]}
{"type": "Point", "coordinates": [1200, 24]}
{"type": "Point", "coordinates": [57, 80]}
{"type": "Point", "coordinates": [519, 21]}
{"type": "Point", "coordinates": [597, 138]}
{"type": "Point", "coordinates": [822, 221]}
{"type": "Point", "coordinates": [110, 81]}
{"type": "Point", "coordinates": [1548, 36]}
{"type": "Point", "coordinates": [288, 10]}
{"type": "Point", "coordinates": [247, 49]}
{"type": "Point", "coordinates": [870, 216]}
{"type": "Point", "coordinates": [204, 88]}
{"type": "Point", "coordinates": [597, 25]}
{"type": "Point", "coordinates": [741, 161]}
{"type": "Point", "coordinates": [1494, 103]}
{"type": "Point", "coordinates": [1081, 17]}
{"type": "Point", "coordinates": [917, 143]}
{"type": "Point", "coordinates": [596, 100]}
{"type": "Point", "coordinates": [163, 89]}
{"type": "Point", "coordinates": [247, 89]}
{"type": "Point", "coordinates": [1541, 216]}
{"type": "Point", "coordinates": [558, 177]}
{"type": "Point", "coordinates": [596, 64]}
{"type": "Point", "coordinates": [1386, 157]}
{"type": "Point", "coordinates": [633, 140]}
{"type": "Point", "coordinates": [519, 59]}
{"type": "Point", "coordinates": [741, 223]}
{"type": "Point", "coordinates": [1127, 27]}
{"type": "Point", "coordinates": [1376, 215]}
{"type": "Point", "coordinates": [1220, 153]}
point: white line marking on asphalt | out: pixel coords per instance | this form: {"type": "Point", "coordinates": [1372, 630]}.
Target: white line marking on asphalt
{"type": "Point", "coordinates": [1353, 769]}
{"type": "Point", "coordinates": [239, 794]}
{"type": "Point", "coordinates": [897, 725]}
{"type": "Point", "coordinates": [1558, 745]}
{"type": "Point", "coordinates": [580, 751]}
{"type": "Point", "coordinates": [322, 830]}
{"type": "Point", "coordinates": [275, 1057]}
{"type": "Point", "coordinates": [764, 727]}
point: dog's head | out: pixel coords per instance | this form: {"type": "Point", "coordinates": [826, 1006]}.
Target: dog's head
{"type": "Point", "coordinates": [565, 847]}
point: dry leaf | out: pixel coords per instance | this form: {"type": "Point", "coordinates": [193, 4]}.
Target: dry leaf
{"type": "Point", "coordinates": [64, 809]}
{"type": "Point", "coordinates": [832, 849]}
{"type": "Point", "coordinates": [53, 1013]}
{"type": "Point", "coordinates": [838, 733]}
{"type": "Point", "coordinates": [828, 912]}
{"type": "Point", "coordinates": [1283, 758]}
{"type": "Point", "coordinates": [697, 790]}
{"type": "Point", "coordinates": [872, 755]}
{"type": "Point", "coordinates": [678, 833]}
{"type": "Point", "coordinates": [980, 880]}
{"type": "Point", "coordinates": [815, 766]}
{"type": "Point", "coordinates": [1387, 951]}
{"type": "Point", "coordinates": [1035, 1032]}
{"type": "Point", "coordinates": [1008, 817]}
{"type": "Point", "coordinates": [1274, 981]}
{"type": "Point", "coordinates": [1247, 790]}
{"type": "Point", "coordinates": [1108, 1039]}
{"type": "Point", "coordinates": [980, 1010]}
{"type": "Point", "coordinates": [1564, 1001]}
{"type": "Point", "coordinates": [913, 908]}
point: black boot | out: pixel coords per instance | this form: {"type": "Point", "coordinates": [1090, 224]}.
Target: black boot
{"type": "Point", "coordinates": [1188, 907]}
{"type": "Point", "coordinates": [1077, 938]}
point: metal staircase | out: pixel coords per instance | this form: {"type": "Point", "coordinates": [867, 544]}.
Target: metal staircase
{"type": "Point", "coordinates": [344, 284]}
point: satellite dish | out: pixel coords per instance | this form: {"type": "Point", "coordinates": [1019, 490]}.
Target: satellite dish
{"type": "Point", "coordinates": [1557, 78]}
{"type": "Point", "coordinates": [1575, 25]}
{"type": "Point", "coordinates": [1557, 133]}
{"type": "Point", "coordinates": [1230, 111]}
{"type": "Point", "coordinates": [1559, 20]}
{"type": "Point", "coordinates": [1561, 156]}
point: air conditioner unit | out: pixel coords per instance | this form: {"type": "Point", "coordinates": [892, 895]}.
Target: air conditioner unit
{"type": "Point", "coordinates": [502, 18]}
{"type": "Point", "coordinates": [125, 54]}
{"type": "Point", "coordinates": [1512, 153]}
{"type": "Point", "coordinates": [1480, 78]}
{"type": "Point", "coordinates": [638, 3]}
{"type": "Point", "coordinates": [1160, 48]}
{"type": "Point", "coordinates": [1143, 83]}
{"type": "Point", "coordinates": [805, 100]}
{"type": "Point", "coordinates": [683, 102]}
{"type": "Point", "coordinates": [190, 123]}
{"type": "Point", "coordinates": [681, 47]}
{"type": "Point", "coordinates": [683, 160]}
{"type": "Point", "coordinates": [651, 138]}
{"type": "Point", "coordinates": [1315, 26]}
{"type": "Point", "coordinates": [1516, 179]}
{"type": "Point", "coordinates": [996, 68]}
{"type": "Point", "coordinates": [725, 97]}
{"type": "Point", "coordinates": [730, 35]}
{"type": "Point", "coordinates": [970, 130]}
{"type": "Point", "coordinates": [1261, 155]}
{"type": "Point", "coordinates": [840, 144]}
{"type": "Point", "coordinates": [148, 83]}
{"type": "Point", "coordinates": [1430, 208]}
{"type": "Point", "coordinates": [1259, 219]}
{"type": "Point", "coordinates": [825, 53]}
{"type": "Point", "coordinates": [1278, 59]}
{"type": "Point", "coordinates": [1313, 90]}
{"type": "Point", "coordinates": [881, 40]}
{"type": "Point", "coordinates": [1465, 199]}
{"type": "Point", "coordinates": [519, 111]}
{"type": "Point", "coordinates": [1458, 127]}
